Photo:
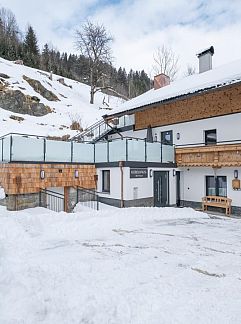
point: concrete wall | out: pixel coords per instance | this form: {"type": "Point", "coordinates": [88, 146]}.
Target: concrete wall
{"type": "Point", "coordinates": [19, 202]}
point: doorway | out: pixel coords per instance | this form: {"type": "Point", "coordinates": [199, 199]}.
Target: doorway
{"type": "Point", "coordinates": [161, 188]}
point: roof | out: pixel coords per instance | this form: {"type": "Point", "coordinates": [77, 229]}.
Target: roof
{"type": "Point", "coordinates": [215, 78]}
{"type": "Point", "coordinates": [205, 51]}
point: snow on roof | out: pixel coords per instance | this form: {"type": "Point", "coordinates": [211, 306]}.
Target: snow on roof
{"type": "Point", "coordinates": [205, 50]}
{"type": "Point", "coordinates": [218, 77]}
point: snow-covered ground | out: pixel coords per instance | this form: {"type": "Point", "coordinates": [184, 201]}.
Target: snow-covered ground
{"type": "Point", "coordinates": [137, 265]}
{"type": "Point", "coordinates": [73, 103]}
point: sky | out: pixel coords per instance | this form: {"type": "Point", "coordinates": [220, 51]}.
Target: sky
{"type": "Point", "coordinates": [139, 27]}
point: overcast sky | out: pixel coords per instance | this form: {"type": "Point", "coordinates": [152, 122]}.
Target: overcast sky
{"type": "Point", "coordinates": [139, 26]}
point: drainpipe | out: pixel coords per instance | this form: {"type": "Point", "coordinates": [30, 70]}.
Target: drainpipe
{"type": "Point", "coordinates": [122, 184]}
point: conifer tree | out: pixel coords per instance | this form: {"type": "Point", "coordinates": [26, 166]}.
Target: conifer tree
{"type": "Point", "coordinates": [31, 48]}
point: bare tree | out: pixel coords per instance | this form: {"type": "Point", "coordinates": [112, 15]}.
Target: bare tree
{"type": "Point", "coordinates": [190, 70]}
{"type": "Point", "coordinates": [165, 61]}
{"type": "Point", "coordinates": [93, 41]}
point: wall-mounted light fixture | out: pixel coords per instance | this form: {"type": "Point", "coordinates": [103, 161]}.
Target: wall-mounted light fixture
{"type": "Point", "coordinates": [150, 173]}
{"type": "Point", "coordinates": [155, 137]}
{"type": "Point", "coordinates": [235, 174]}
{"type": "Point", "coordinates": [42, 174]}
{"type": "Point", "coordinates": [76, 173]}
{"type": "Point", "coordinates": [178, 136]}
{"type": "Point", "coordinates": [174, 172]}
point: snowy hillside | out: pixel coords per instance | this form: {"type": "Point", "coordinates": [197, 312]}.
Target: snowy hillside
{"type": "Point", "coordinates": [72, 103]}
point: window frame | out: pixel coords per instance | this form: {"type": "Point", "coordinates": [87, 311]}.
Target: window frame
{"type": "Point", "coordinates": [163, 141]}
{"type": "Point", "coordinates": [206, 133]}
{"type": "Point", "coordinates": [216, 185]}
{"type": "Point", "coordinates": [106, 187]}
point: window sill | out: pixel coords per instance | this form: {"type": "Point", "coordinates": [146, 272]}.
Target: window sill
{"type": "Point", "coordinates": [105, 192]}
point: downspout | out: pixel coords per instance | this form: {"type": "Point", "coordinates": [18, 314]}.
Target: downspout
{"type": "Point", "coordinates": [122, 184]}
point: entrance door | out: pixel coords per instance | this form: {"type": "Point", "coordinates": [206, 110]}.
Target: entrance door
{"type": "Point", "coordinates": [161, 188]}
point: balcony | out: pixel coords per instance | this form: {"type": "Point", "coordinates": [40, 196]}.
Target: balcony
{"type": "Point", "coordinates": [224, 154]}
{"type": "Point", "coordinates": [29, 148]}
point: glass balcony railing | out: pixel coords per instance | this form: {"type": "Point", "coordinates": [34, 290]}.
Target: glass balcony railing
{"type": "Point", "coordinates": [28, 148]}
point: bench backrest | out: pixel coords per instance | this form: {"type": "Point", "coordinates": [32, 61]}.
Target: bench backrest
{"type": "Point", "coordinates": [218, 199]}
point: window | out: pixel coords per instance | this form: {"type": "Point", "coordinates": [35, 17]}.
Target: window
{"type": "Point", "coordinates": [166, 137]}
{"type": "Point", "coordinates": [210, 137]}
{"type": "Point", "coordinates": [106, 180]}
{"type": "Point", "coordinates": [216, 186]}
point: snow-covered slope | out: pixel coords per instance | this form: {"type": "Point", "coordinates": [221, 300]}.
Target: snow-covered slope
{"type": "Point", "coordinates": [220, 76]}
{"type": "Point", "coordinates": [73, 103]}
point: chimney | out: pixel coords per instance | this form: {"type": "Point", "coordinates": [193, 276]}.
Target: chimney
{"type": "Point", "coordinates": [205, 59]}
{"type": "Point", "coordinates": [161, 80]}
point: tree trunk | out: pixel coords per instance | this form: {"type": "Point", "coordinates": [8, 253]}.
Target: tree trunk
{"type": "Point", "coordinates": [92, 87]}
{"type": "Point", "coordinates": [92, 93]}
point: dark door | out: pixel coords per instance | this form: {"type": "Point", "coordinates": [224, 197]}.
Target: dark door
{"type": "Point", "coordinates": [161, 188]}
{"type": "Point", "coordinates": [178, 189]}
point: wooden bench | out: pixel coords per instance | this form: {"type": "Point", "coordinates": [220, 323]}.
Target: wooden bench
{"type": "Point", "coordinates": [216, 201]}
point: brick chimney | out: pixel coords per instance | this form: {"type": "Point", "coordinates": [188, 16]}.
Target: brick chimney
{"type": "Point", "coordinates": [161, 80]}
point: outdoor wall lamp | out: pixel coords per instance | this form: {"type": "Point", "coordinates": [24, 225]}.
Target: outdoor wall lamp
{"type": "Point", "coordinates": [76, 173]}
{"type": "Point", "coordinates": [174, 172]}
{"type": "Point", "coordinates": [178, 136]}
{"type": "Point", "coordinates": [150, 173]}
{"type": "Point", "coordinates": [235, 174]}
{"type": "Point", "coordinates": [42, 174]}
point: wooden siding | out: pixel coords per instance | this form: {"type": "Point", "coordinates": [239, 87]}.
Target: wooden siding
{"type": "Point", "coordinates": [209, 156]}
{"type": "Point", "coordinates": [19, 178]}
{"type": "Point", "coordinates": [218, 102]}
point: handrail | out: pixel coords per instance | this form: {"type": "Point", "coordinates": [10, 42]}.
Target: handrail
{"type": "Point", "coordinates": [23, 135]}
{"type": "Point", "coordinates": [89, 129]}
{"type": "Point", "coordinates": [53, 193]}
{"type": "Point", "coordinates": [89, 203]}
{"type": "Point", "coordinates": [51, 200]}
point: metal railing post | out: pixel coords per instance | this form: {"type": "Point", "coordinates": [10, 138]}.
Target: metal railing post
{"type": "Point", "coordinates": [2, 148]}
{"type": "Point", "coordinates": [97, 199]}
{"type": "Point", "coordinates": [11, 148]}
{"type": "Point", "coordinates": [126, 149]}
{"type": "Point", "coordinates": [161, 152]}
{"type": "Point", "coordinates": [44, 149]}
{"type": "Point", "coordinates": [94, 151]}
{"type": "Point", "coordinates": [145, 150]}
{"type": "Point", "coordinates": [71, 151]}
